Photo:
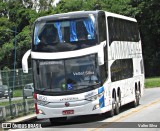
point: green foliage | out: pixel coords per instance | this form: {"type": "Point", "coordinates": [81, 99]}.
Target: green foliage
{"type": "Point", "coordinates": [6, 53]}
{"type": "Point", "coordinates": [123, 7]}
{"type": "Point", "coordinates": [149, 19]}
{"type": "Point", "coordinates": [22, 17]}
{"type": "Point", "coordinates": [69, 5]}
{"type": "Point", "coordinates": [3, 8]}
{"type": "Point", "coordinates": [18, 93]}
{"type": "Point", "coordinates": [5, 35]}
{"type": "Point", "coordinates": [22, 14]}
{"type": "Point", "coordinates": [23, 43]}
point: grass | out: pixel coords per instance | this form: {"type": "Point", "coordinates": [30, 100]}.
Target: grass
{"type": "Point", "coordinates": [5, 103]}
{"type": "Point", "coordinates": [152, 82]}
{"type": "Point", "coordinates": [17, 93]}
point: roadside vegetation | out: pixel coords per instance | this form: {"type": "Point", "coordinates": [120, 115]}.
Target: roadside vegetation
{"type": "Point", "coordinates": [19, 16]}
{"type": "Point", "coordinates": [6, 103]}
{"type": "Point", "coordinates": [152, 82]}
{"type": "Point", "coordinates": [17, 93]}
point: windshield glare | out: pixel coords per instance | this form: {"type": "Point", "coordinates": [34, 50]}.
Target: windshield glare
{"type": "Point", "coordinates": [64, 35]}
{"type": "Point", "coordinates": [66, 75]}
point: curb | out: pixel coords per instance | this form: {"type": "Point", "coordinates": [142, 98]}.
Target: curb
{"type": "Point", "coordinates": [23, 119]}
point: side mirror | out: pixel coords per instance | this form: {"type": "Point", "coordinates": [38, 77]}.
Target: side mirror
{"type": "Point", "coordinates": [25, 61]}
{"type": "Point", "coordinates": [101, 53]}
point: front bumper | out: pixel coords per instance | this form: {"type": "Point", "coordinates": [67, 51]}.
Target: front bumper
{"type": "Point", "coordinates": [78, 110]}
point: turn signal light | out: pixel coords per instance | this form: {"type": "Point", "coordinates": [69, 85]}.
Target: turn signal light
{"type": "Point", "coordinates": [35, 103]}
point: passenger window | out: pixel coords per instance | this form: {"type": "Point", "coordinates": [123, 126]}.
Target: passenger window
{"type": "Point", "coordinates": [122, 30]}
{"type": "Point", "coordinates": [121, 69]}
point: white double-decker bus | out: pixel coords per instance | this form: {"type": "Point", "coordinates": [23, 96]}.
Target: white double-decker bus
{"type": "Point", "coordinates": [85, 62]}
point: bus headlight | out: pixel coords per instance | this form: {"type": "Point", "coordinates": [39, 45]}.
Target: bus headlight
{"type": "Point", "coordinates": [96, 107]}
{"type": "Point", "coordinates": [39, 102]}
{"type": "Point", "coordinates": [95, 97]}
{"type": "Point", "coordinates": [41, 112]}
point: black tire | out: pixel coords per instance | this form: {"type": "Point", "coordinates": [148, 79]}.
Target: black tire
{"type": "Point", "coordinates": [135, 103]}
{"type": "Point", "coordinates": [111, 112]}
{"type": "Point", "coordinates": [117, 108]}
{"type": "Point", "coordinates": [57, 120]}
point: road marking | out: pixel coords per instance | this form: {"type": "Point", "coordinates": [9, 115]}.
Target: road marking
{"type": "Point", "coordinates": [121, 118]}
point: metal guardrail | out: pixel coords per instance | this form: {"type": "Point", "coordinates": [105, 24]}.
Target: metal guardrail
{"type": "Point", "coordinates": [15, 80]}
{"type": "Point", "coordinates": [17, 110]}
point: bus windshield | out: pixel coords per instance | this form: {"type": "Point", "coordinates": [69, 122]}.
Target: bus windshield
{"type": "Point", "coordinates": [64, 35]}
{"type": "Point", "coordinates": [65, 76]}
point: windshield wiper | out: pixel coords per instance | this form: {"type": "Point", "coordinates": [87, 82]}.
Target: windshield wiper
{"type": "Point", "coordinates": [44, 90]}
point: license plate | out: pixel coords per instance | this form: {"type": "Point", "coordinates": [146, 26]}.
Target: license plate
{"type": "Point", "coordinates": [67, 112]}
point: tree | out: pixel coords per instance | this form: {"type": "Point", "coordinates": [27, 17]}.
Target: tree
{"type": "Point", "coordinates": [5, 35]}
{"type": "Point", "coordinates": [21, 18]}
{"type": "Point", "coordinates": [22, 14]}
{"type": "Point", "coordinates": [148, 20]}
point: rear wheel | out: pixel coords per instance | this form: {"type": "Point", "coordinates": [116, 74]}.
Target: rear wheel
{"type": "Point", "coordinates": [117, 106]}
{"type": "Point", "coordinates": [111, 112]}
{"type": "Point", "coordinates": [135, 103]}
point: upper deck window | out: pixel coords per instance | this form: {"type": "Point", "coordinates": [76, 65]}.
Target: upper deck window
{"type": "Point", "coordinates": [122, 30]}
{"type": "Point", "coordinates": [64, 35]}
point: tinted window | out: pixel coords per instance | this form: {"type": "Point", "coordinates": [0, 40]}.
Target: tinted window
{"type": "Point", "coordinates": [142, 67]}
{"type": "Point", "coordinates": [122, 30]}
{"type": "Point", "coordinates": [66, 76]}
{"type": "Point", "coordinates": [102, 26]}
{"type": "Point", "coordinates": [27, 87]}
{"type": "Point", "coordinates": [30, 87]}
{"type": "Point", "coordinates": [102, 37]}
{"type": "Point", "coordinates": [121, 69]}
{"type": "Point", "coordinates": [64, 35]}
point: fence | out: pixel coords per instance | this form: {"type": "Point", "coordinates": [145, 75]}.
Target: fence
{"type": "Point", "coordinates": [15, 100]}
{"type": "Point", "coordinates": [15, 79]}
{"type": "Point", "coordinates": [18, 109]}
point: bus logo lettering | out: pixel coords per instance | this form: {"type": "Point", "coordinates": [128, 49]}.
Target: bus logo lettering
{"type": "Point", "coordinates": [71, 98]}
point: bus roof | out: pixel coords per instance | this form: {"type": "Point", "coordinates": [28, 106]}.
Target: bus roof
{"type": "Point", "coordinates": [120, 16]}
{"type": "Point", "coordinates": [77, 14]}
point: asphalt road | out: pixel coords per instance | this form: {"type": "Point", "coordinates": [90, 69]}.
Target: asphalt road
{"type": "Point", "coordinates": [147, 111]}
